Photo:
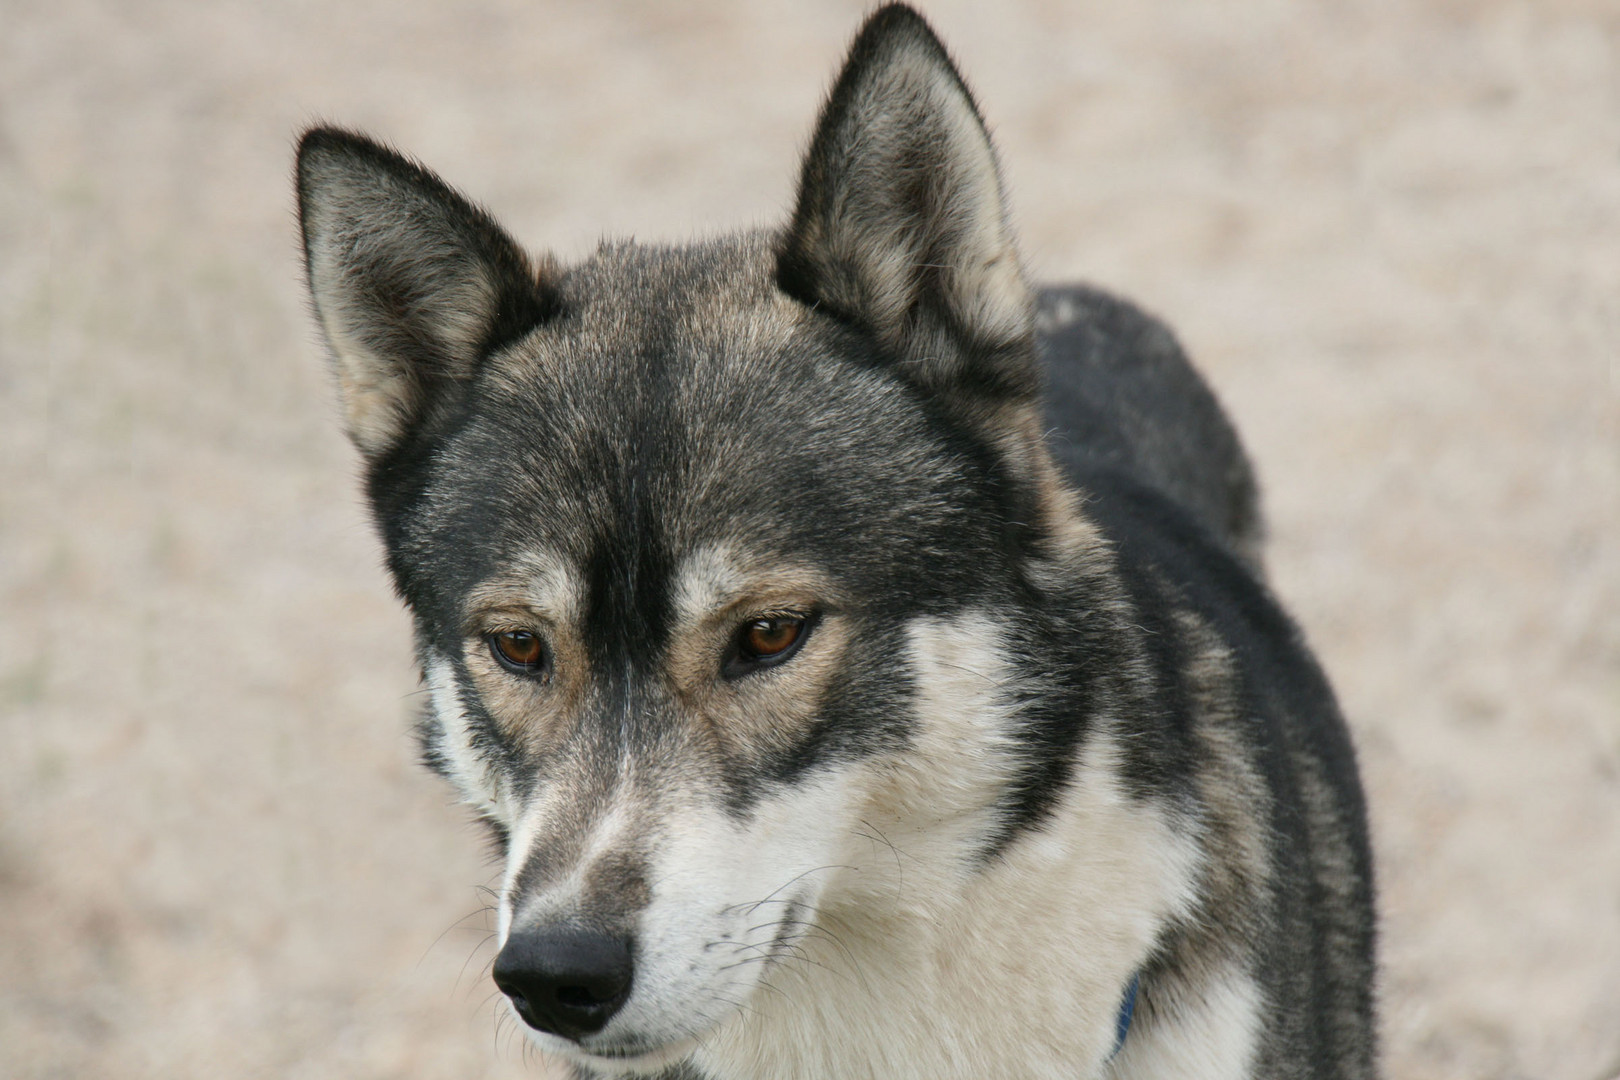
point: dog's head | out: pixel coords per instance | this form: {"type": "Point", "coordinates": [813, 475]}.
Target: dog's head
{"type": "Point", "coordinates": [704, 545]}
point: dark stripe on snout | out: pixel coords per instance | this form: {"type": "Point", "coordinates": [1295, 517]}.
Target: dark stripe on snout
{"type": "Point", "coordinates": [615, 888]}
{"type": "Point", "coordinates": [618, 882]}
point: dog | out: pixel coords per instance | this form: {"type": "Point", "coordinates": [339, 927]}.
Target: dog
{"type": "Point", "coordinates": [861, 657]}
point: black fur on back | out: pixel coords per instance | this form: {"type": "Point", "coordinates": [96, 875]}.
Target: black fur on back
{"type": "Point", "coordinates": [1122, 396]}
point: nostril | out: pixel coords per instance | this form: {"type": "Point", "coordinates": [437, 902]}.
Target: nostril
{"type": "Point", "coordinates": [565, 981]}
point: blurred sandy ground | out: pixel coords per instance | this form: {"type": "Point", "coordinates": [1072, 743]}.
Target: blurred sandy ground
{"type": "Point", "coordinates": [1390, 233]}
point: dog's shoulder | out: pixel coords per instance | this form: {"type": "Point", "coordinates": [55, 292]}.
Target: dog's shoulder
{"type": "Point", "coordinates": [1237, 719]}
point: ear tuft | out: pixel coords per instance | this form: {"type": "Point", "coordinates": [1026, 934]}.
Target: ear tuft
{"type": "Point", "coordinates": [900, 225]}
{"type": "Point", "coordinates": [413, 285]}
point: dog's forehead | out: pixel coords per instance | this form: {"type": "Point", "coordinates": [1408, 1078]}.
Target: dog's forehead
{"type": "Point", "coordinates": [684, 338]}
{"type": "Point", "coordinates": [624, 283]}
{"type": "Point", "coordinates": [635, 308]}
{"type": "Point", "coordinates": [684, 377]}
{"type": "Point", "coordinates": [683, 404]}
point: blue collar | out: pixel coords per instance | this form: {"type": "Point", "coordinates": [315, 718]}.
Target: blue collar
{"type": "Point", "coordinates": [1127, 1008]}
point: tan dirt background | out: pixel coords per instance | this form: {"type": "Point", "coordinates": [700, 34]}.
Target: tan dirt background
{"type": "Point", "coordinates": [1389, 232]}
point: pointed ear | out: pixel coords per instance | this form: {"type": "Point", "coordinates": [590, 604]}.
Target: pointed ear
{"type": "Point", "coordinates": [413, 285]}
{"type": "Point", "coordinates": [900, 225]}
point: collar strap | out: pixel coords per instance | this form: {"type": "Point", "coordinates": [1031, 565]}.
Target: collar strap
{"type": "Point", "coordinates": [1127, 1008]}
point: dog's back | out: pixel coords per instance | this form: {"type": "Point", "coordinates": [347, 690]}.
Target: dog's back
{"type": "Point", "coordinates": [1121, 396]}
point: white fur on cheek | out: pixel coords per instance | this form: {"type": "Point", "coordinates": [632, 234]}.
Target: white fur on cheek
{"type": "Point", "coordinates": [453, 740]}
{"type": "Point", "coordinates": [930, 960]}
{"type": "Point", "coordinates": [724, 890]}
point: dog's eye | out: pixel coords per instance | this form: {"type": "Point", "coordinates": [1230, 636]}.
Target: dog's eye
{"type": "Point", "coordinates": [763, 642]}
{"type": "Point", "coordinates": [519, 650]}
{"type": "Point", "coordinates": [770, 637]}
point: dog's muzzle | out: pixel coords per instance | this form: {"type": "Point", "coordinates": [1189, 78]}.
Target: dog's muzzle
{"type": "Point", "coordinates": [564, 980]}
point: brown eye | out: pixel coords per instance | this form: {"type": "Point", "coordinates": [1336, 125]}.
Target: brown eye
{"type": "Point", "coordinates": [768, 637]}
{"type": "Point", "coordinates": [763, 642]}
{"type": "Point", "coordinates": [519, 650]}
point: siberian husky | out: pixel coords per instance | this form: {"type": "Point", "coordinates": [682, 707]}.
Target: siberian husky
{"type": "Point", "coordinates": [861, 655]}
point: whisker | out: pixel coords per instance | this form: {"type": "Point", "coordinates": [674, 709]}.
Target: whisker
{"type": "Point", "coordinates": [457, 925]}
{"type": "Point", "coordinates": [878, 835]}
{"type": "Point", "coordinates": [489, 937]}
{"type": "Point", "coordinates": [798, 877]}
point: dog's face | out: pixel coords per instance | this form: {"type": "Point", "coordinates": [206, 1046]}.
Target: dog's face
{"type": "Point", "coordinates": [667, 574]}
{"type": "Point", "coordinates": [708, 548]}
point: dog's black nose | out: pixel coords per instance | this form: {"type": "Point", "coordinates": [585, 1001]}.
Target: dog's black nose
{"type": "Point", "coordinates": [565, 980]}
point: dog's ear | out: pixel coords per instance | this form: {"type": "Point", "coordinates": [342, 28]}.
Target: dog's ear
{"type": "Point", "coordinates": [413, 285]}
{"type": "Point", "coordinates": [900, 226]}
